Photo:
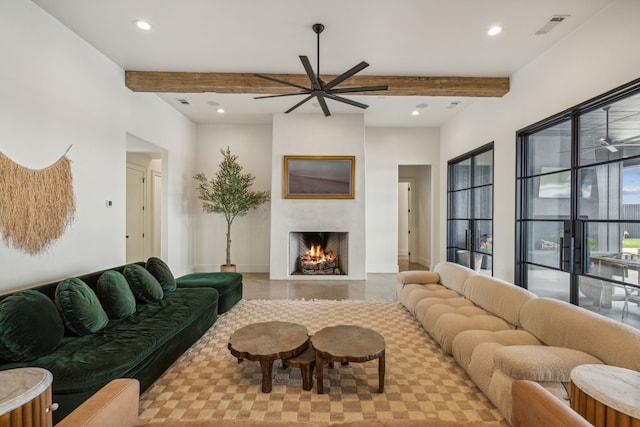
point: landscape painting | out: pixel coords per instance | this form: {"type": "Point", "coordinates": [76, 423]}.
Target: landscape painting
{"type": "Point", "coordinates": [319, 177]}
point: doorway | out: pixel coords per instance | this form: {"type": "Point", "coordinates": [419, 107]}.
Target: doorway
{"type": "Point", "coordinates": [145, 218]}
{"type": "Point", "coordinates": [136, 195]}
{"type": "Point", "coordinates": [470, 210]}
{"type": "Point", "coordinates": [578, 212]}
{"type": "Point", "coordinates": [414, 217]}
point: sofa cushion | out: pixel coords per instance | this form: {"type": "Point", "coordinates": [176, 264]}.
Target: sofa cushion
{"type": "Point", "coordinates": [30, 326]}
{"type": "Point", "coordinates": [145, 287]}
{"type": "Point", "coordinates": [453, 276]}
{"type": "Point", "coordinates": [451, 324]}
{"type": "Point", "coordinates": [465, 342]}
{"type": "Point", "coordinates": [115, 295]}
{"type": "Point", "coordinates": [540, 362]}
{"type": "Point", "coordinates": [498, 297]}
{"type": "Point", "coordinates": [160, 270]}
{"type": "Point", "coordinates": [582, 330]}
{"type": "Point", "coordinates": [79, 307]}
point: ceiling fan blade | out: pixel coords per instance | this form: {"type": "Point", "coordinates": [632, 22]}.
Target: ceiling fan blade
{"type": "Point", "coordinates": [312, 77]}
{"type": "Point", "coordinates": [359, 89]}
{"type": "Point", "coordinates": [262, 76]}
{"type": "Point", "coordinates": [299, 103]}
{"type": "Point", "coordinates": [346, 101]}
{"type": "Point", "coordinates": [278, 96]}
{"type": "Point", "coordinates": [344, 76]}
{"type": "Point", "coordinates": [323, 105]}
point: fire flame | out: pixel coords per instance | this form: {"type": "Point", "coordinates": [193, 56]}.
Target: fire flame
{"type": "Point", "coordinates": [316, 253]}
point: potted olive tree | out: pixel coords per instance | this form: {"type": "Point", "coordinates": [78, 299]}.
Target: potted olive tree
{"type": "Point", "coordinates": [230, 194]}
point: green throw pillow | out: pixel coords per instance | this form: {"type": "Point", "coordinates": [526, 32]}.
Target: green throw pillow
{"type": "Point", "coordinates": [160, 270]}
{"type": "Point", "coordinates": [115, 295]}
{"type": "Point", "coordinates": [144, 286]}
{"type": "Point", "coordinates": [30, 326]}
{"type": "Point", "coordinates": [80, 308]}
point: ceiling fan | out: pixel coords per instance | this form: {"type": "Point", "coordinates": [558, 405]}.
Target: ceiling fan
{"type": "Point", "coordinates": [611, 144]}
{"type": "Point", "coordinates": [321, 90]}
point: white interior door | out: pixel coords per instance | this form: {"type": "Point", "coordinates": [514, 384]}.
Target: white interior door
{"type": "Point", "coordinates": [403, 219]}
{"type": "Point", "coordinates": [135, 214]}
{"type": "Point", "coordinates": [157, 214]}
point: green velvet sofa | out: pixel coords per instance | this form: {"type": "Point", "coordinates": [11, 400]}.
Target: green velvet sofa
{"type": "Point", "coordinates": [141, 345]}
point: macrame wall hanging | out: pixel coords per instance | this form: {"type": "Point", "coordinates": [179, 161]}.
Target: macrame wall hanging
{"type": "Point", "coordinates": [36, 205]}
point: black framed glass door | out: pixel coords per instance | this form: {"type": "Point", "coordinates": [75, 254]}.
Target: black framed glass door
{"type": "Point", "coordinates": [578, 205]}
{"type": "Point", "coordinates": [470, 210]}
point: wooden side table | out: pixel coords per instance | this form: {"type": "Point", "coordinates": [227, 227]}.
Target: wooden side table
{"type": "Point", "coordinates": [606, 396]}
{"type": "Point", "coordinates": [306, 362]}
{"type": "Point", "coordinates": [348, 343]}
{"type": "Point", "coordinates": [25, 398]}
{"type": "Point", "coordinates": [267, 342]}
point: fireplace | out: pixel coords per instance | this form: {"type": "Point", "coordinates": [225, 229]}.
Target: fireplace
{"type": "Point", "coordinates": [318, 253]}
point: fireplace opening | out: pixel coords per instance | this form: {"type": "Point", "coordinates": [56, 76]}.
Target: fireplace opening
{"type": "Point", "coordinates": [313, 253]}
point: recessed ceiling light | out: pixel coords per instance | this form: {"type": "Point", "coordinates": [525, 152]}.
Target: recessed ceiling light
{"type": "Point", "coordinates": [220, 110]}
{"type": "Point", "coordinates": [495, 30]}
{"type": "Point", "coordinates": [143, 25]}
{"type": "Point", "coordinates": [415, 113]}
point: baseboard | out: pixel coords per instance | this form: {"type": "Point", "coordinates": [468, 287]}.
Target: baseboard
{"type": "Point", "coordinates": [241, 268]}
{"type": "Point", "coordinates": [424, 261]}
{"type": "Point", "coordinates": [382, 268]}
{"type": "Point", "coordinates": [403, 253]}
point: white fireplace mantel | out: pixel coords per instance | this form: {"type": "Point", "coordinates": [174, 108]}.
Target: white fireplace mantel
{"type": "Point", "coordinates": [314, 134]}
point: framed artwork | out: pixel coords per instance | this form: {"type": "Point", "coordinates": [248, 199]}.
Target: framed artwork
{"type": "Point", "coordinates": [319, 177]}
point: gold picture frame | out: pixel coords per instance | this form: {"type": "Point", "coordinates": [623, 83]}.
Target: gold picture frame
{"type": "Point", "coordinates": [319, 177]}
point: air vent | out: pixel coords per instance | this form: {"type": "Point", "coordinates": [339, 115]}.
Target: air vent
{"type": "Point", "coordinates": [555, 20]}
{"type": "Point", "coordinates": [453, 104]}
{"type": "Point", "coordinates": [183, 101]}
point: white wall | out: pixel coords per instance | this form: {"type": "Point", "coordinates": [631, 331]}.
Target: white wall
{"type": "Point", "coordinates": [56, 91]}
{"type": "Point", "coordinates": [249, 234]}
{"type": "Point", "coordinates": [597, 57]}
{"type": "Point", "coordinates": [388, 148]}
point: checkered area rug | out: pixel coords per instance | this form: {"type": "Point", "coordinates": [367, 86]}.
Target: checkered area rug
{"type": "Point", "coordinates": [421, 382]}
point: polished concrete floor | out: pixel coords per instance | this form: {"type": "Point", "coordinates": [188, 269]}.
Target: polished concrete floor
{"type": "Point", "coordinates": [378, 286]}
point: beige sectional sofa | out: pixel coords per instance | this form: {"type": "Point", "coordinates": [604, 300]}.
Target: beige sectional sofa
{"type": "Point", "coordinates": [499, 333]}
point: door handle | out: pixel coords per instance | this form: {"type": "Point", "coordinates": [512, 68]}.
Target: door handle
{"type": "Point", "coordinates": [571, 254]}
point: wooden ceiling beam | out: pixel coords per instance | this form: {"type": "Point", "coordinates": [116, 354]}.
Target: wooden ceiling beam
{"type": "Point", "coordinates": [181, 82]}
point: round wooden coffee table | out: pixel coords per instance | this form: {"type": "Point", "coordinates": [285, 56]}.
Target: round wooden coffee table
{"type": "Point", "coordinates": [266, 342]}
{"type": "Point", "coordinates": [348, 343]}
